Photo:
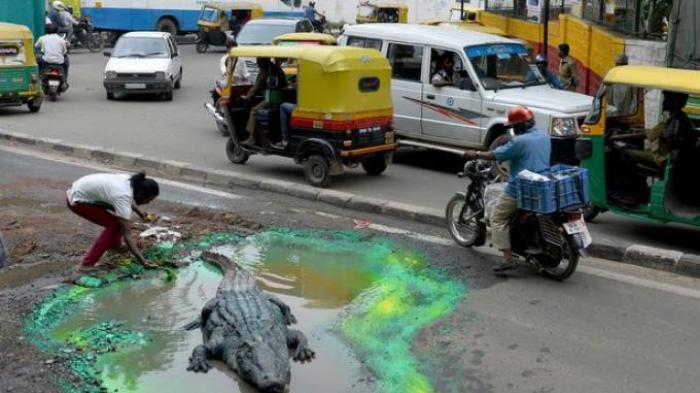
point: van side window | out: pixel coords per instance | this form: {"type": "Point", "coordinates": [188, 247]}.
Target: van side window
{"type": "Point", "coordinates": [406, 61]}
{"type": "Point", "coordinates": [446, 68]}
{"type": "Point", "coordinates": [361, 42]}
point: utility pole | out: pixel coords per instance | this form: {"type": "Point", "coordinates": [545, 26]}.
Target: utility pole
{"type": "Point", "coordinates": [546, 28]}
{"type": "Point", "coordinates": [461, 11]}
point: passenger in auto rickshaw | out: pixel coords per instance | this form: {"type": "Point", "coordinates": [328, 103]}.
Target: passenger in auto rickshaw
{"type": "Point", "coordinates": [270, 81]}
{"type": "Point", "coordinates": [676, 133]}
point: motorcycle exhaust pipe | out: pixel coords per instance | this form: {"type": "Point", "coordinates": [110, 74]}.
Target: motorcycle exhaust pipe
{"type": "Point", "coordinates": [212, 111]}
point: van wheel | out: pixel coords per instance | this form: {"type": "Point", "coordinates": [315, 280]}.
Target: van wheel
{"type": "Point", "coordinates": [375, 165]}
{"type": "Point", "coordinates": [317, 171]}
{"type": "Point", "coordinates": [167, 25]}
{"type": "Point", "coordinates": [235, 153]}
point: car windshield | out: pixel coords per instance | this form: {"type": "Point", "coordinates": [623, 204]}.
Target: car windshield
{"type": "Point", "coordinates": [12, 52]}
{"type": "Point", "coordinates": [263, 33]}
{"type": "Point", "coordinates": [209, 14]}
{"type": "Point", "coordinates": [503, 66]}
{"type": "Point", "coordinates": [365, 11]}
{"type": "Point", "coordinates": [141, 47]}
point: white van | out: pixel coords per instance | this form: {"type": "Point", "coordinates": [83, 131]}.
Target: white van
{"type": "Point", "coordinates": [491, 74]}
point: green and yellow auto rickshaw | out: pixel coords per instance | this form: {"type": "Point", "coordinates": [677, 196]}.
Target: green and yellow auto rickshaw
{"type": "Point", "coordinates": [337, 114]}
{"type": "Point", "coordinates": [368, 12]}
{"type": "Point", "coordinates": [220, 21]}
{"type": "Point", "coordinates": [649, 174]}
{"type": "Point", "coordinates": [19, 74]}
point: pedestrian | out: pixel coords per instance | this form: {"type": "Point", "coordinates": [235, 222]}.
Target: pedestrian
{"type": "Point", "coordinates": [3, 253]}
{"type": "Point", "coordinates": [108, 200]}
{"type": "Point", "coordinates": [568, 74]}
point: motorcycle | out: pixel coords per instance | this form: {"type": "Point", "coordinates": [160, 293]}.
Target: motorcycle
{"type": "Point", "coordinates": [85, 36]}
{"type": "Point", "coordinates": [53, 81]}
{"type": "Point", "coordinates": [551, 242]}
{"type": "Point", "coordinates": [320, 24]}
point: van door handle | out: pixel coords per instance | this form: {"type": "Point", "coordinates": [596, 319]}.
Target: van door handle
{"type": "Point", "coordinates": [430, 97]}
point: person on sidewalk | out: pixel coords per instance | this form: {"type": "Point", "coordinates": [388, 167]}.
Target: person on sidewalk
{"type": "Point", "coordinates": [529, 150]}
{"type": "Point", "coordinates": [568, 74]}
{"type": "Point", "coordinates": [108, 200]}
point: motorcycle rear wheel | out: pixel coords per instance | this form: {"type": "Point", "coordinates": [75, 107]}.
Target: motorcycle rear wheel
{"type": "Point", "coordinates": [567, 265]}
{"type": "Point", "coordinates": [467, 233]}
{"type": "Point", "coordinates": [95, 43]}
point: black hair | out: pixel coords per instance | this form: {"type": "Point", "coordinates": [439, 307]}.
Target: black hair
{"type": "Point", "coordinates": [51, 29]}
{"type": "Point", "coordinates": [564, 48]}
{"type": "Point", "coordinates": [143, 186]}
{"type": "Point", "coordinates": [521, 127]}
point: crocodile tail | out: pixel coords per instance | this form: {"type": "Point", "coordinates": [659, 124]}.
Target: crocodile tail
{"type": "Point", "coordinates": [224, 262]}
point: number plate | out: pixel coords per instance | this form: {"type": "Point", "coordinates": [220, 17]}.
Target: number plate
{"type": "Point", "coordinates": [573, 227]}
{"type": "Point", "coordinates": [134, 85]}
{"type": "Point", "coordinates": [54, 83]}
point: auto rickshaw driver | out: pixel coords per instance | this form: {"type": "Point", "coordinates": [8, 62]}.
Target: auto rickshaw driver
{"type": "Point", "coordinates": [270, 80]}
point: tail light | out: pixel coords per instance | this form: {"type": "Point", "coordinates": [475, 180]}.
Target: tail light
{"type": "Point", "coordinates": [54, 72]}
{"type": "Point", "coordinates": [573, 216]}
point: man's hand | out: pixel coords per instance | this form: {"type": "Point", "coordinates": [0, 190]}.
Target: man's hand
{"type": "Point", "coordinates": [150, 217]}
{"type": "Point", "coordinates": [148, 264]}
{"type": "Point", "coordinates": [470, 155]}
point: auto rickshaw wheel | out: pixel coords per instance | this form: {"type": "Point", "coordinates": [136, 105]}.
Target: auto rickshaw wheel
{"type": "Point", "coordinates": [34, 105]}
{"type": "Point", "coordinates": [376, 165]}
{"type": "Point", "coordinates": [317, 171]}
{"type": "Point", "coordinates": [235, 153]}
{"type": "Point", "coordinates": [201, 46]}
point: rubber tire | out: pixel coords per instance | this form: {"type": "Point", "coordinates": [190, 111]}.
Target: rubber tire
{"type": "Point", "coordinates": [95, 42]}
{"type": "Point", "coordinates": [317, 171]}
{"type": "Point", "coordinates": [590, 212]}
{"type": "Point", "coordinates": [376, 165]}
{"type": "Point", "coordinates": [573, 263]}
{"type": "Point", "coordinates": [167, 25]}
{"type": "Point", "coordinates": [178, 83]}
{"type": "Point", "coordinates": [479, 237]}
{"type": "Point", "coordinates": [32, 105]}
{"type": "Point", "coordinates": [235, 153]}
{"type": "Point", "coordinates": [110, 95]}
{"type": "Point", "coordinates": [202, 47]}
{"type": "Point", "coordinates": [53, 94]}
{"type": "Point", "coordinates": [168, 96]}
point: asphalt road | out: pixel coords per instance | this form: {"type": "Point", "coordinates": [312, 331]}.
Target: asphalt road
{"type": "Point", "coordinates": [609, 328]}
{"type": "Point", "coordinates": [181, 130]}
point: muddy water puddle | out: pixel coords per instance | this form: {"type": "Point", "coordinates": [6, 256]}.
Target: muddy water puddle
{"type": "Point", "coordinates": [358, 301]}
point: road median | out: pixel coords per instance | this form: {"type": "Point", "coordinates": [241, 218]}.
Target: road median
{"type": "Point", "coordinates": [641, 255]}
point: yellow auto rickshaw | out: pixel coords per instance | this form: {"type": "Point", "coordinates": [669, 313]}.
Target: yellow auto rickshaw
{"type": "Point", "coordinates": [293, 39]}
{"type": "Point", "coordinates": [368, 12]}
{"type": "Point", "coordinates": [649, 174]}
{"type": "Point", "coordinates": [338, 113]}
{"type": "Point", "coordinates": [19, 73]}
{"type": "Point", "coordinates": [220, 21]}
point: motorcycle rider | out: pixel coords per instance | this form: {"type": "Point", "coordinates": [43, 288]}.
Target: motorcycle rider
{"type": "Point", "coordinates": [530, 149]}
{"type": "Point", "coordinates": [310, 13]}
{"type": "Point", "coordinates": [54, 51]}
{"type": "Point", "coordinates": [64, 20]}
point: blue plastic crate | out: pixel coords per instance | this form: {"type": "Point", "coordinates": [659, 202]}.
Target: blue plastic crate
{"type": "Point", "coordinates": [566, 188]}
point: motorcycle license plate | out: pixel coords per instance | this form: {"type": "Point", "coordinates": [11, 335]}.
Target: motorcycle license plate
{"type": "Point", "coordinates": [579, 229]}
{"type": "Point", "coordinates": [54, 83]}
{"type": "Point", "coordinates": [134, 85]}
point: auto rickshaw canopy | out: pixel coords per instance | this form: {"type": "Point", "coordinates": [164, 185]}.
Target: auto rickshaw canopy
{"type": "Point", "coordinates": [11, 31]}
{"type": "Point", "coordinates": [333, 80]}
{"type": "Point", "coordinates": [255, 8]}
{"type": "Point", "coordinates": [400, 8]}
{"type": "Point", "coordinates": [649, 77]}
{"type": "Point", "coordinates": [320, 38]}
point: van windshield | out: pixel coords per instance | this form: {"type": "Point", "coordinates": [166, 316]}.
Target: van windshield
{"type": "Point", "coordinates": [12, 53]}
{"type": "Point", "coordinates": [263, 33]}
{"type": "Point", "coordinates": [503, 66]}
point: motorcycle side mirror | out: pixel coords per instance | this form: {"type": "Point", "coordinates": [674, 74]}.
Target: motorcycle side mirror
{"type": "Point", "coordinates": [107, 53]}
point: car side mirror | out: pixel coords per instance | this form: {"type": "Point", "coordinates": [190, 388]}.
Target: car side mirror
{"type": "Point", "coordinates": [107, 53]}
{"type": "Point", "coordinates": [467, 84]}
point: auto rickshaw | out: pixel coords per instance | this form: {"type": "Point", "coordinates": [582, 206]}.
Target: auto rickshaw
{"type": "Point", "coordinates": [381, 13]}
{"type": "Point", "coordinates": [219, 21]}
{"type": "Point", "coordinates": [342, 111]}
{"type": "Point", "coordinates": [292, 39]}
{"type": "Point", "coordinates": [662, 187]}
{"type": "Point", "coordinates": [19, 73]}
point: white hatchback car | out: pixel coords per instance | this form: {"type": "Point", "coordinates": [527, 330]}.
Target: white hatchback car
{"type": "Point", "coordinates": [143, 63]}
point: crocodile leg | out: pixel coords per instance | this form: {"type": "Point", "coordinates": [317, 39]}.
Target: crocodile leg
{"type": "Point", "coordinates": [296, 341]}
{"type": "Point", "coordinates": [286, 311]}
{"type": "Point", "coordinates": [199, 361]}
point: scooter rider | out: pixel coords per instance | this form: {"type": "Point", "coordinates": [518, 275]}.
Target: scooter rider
{"type": "Point", "coordinates": [529, 150]}
{"type": "Point", "coordinates": [310, 14]}
{"type": "Point", "coordinates": [54, 51]}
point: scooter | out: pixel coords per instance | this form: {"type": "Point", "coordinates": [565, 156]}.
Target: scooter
{"type": "Point", "coordinates": [53, 81]}
{"type": "Point", "coordinates": [552, 243]}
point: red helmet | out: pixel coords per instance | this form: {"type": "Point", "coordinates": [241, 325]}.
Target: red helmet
{"type": "Point", "coordinates": [519, 114]}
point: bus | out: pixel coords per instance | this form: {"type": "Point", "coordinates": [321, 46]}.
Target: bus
{"type": "Point", "coordinates": [173, 16]}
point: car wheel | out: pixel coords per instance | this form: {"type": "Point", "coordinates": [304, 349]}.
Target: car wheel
{"type": "Point", "coordinates": [168, 96]}
{"type": "Point", "coordinates": [110, 95]}
{"type": "Point", "coordinates": [178, 83]}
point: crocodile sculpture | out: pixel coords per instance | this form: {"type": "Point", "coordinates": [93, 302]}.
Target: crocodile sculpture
{"type": "Point", "coordinates": [247, 329]}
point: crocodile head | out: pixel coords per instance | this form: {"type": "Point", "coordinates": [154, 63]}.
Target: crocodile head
{"type": "Point", "coordinates": [265, 365]}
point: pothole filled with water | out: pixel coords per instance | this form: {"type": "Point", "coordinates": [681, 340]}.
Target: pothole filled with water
{"type": "Point", "coordinates": [359, 299]}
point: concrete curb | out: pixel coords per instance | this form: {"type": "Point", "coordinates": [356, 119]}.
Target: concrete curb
{"type": "Point", "coordinates": [640, 255]}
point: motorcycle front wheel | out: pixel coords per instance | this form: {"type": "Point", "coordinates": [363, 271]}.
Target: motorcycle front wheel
{"type": "Point", "coordinates": [566, 266]}
{"type": "Point", "coordinates": [463, 223]}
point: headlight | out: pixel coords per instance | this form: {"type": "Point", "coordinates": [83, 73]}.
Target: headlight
{"type": "Point", "coordinates": [111, 75]}
{"type": "Point", "coordinates": [565, 126]}
{"type": "Point", "coordinates": [160, 75]}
